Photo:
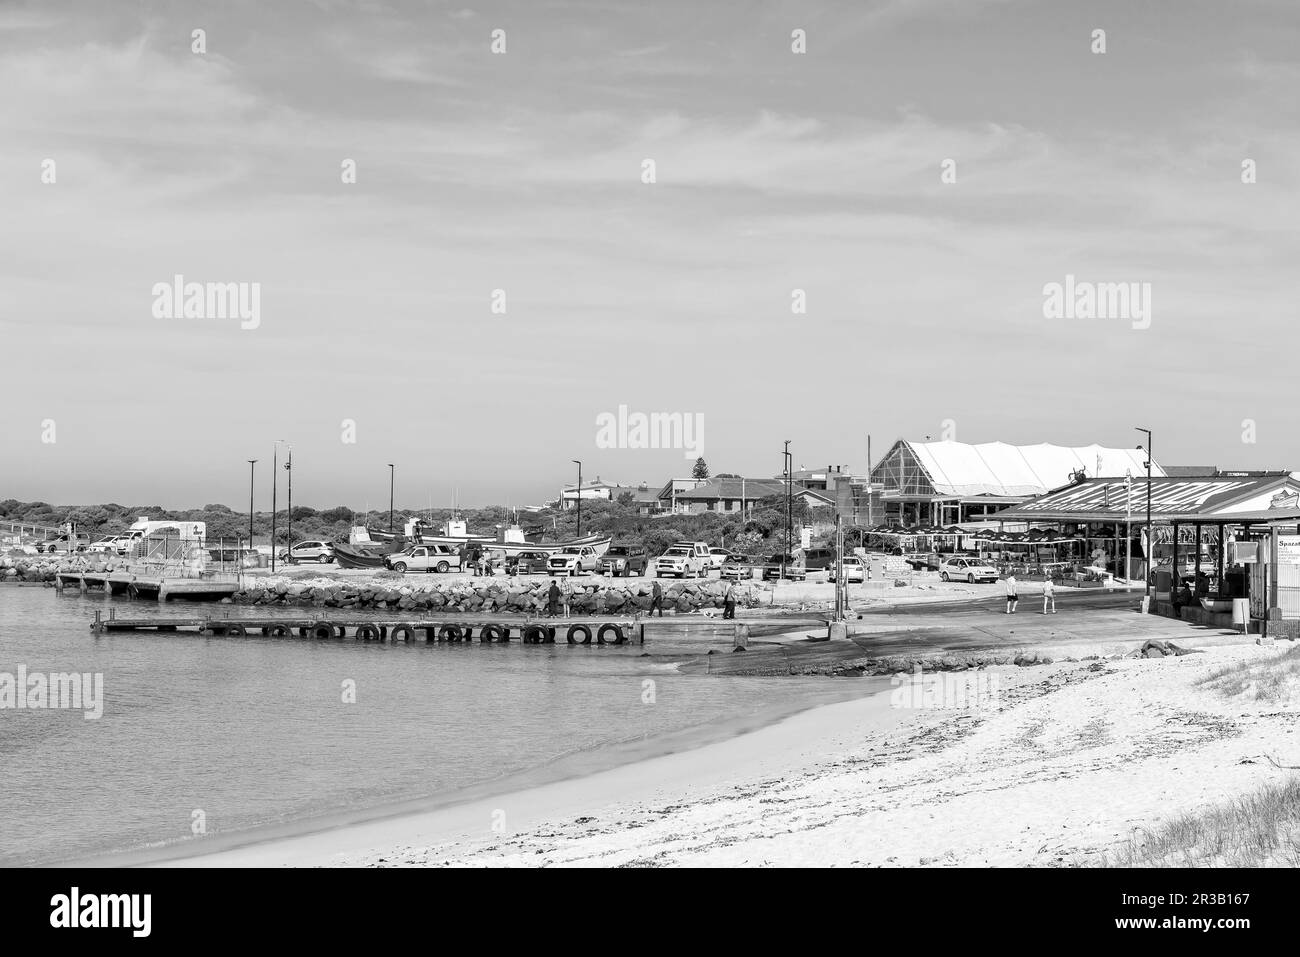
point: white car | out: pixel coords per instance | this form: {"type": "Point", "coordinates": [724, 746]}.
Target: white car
{"type": "Point", "coordinates": [855, 570]}
{"type": "Point", "coordinates": [322, 552]}
{"type": "Point", "coordinates": [573, 560]}
{"type": "Point", "coordinates": [684, 560]}
{"type": "Point", "coordinates": [968, 570]}
{"type": "Point", "coordinates": [424, 558]}
{"type": "Point", "coordinates": [718, 557]}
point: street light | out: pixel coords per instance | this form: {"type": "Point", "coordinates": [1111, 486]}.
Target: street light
{"type": "Point", "coordinates": [1150, 549]}
{"type": "Point", "coordinates": [252, 466]}
{"type": "Point", "coordinates": [392, 483]}
{"type": "Point", "coordinates": [579, 464]}
{"type": "Point", "coordinates": [275, 481]}
{"type": "Point", "coordinates": [789, 510]}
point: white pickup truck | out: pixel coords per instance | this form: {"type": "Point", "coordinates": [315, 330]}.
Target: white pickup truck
{"type": "Point", "coordinates": [573, 560]}
{"type": "Point", "coordinates": [684, 560]}
{"type": "Point", "coordinates": [424, 558]}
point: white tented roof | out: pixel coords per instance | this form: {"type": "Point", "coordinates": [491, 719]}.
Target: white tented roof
{"type": "Point", "coordinates": [996, 468]}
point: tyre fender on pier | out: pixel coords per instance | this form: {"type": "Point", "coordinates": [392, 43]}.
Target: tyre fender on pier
{"type": "Point", "coordinates": [322, 631]}
{"type": "Point", "coordinates": [367, 632]}
{"type": "Point", "coordinates": [450, 633]}
{"type": "Point", "coordinates": [534, 635]}
{"type": "Point", "coordinates": [402, 633]}
{"type": "Point", "coordinates": [619, 637]}
{"type": "Point", "coordinates": [493, 633]}
{"type": "Point", "coordinates": [575, 631]}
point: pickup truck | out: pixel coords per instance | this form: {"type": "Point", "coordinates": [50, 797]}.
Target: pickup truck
{"type": "Point", "coordinates": [684, 560]}
{"type": "Point", "coordinates": [572, 560]}
{"type": "Point", "coordinates": [78, 543]}
{"type": "Point", "coordinates": [624, 560]}
{"type": "Point", "coordinates": [424, 558]}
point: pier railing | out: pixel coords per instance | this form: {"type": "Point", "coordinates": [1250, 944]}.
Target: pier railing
{"type": "Point", "coordinates": [168, 556]}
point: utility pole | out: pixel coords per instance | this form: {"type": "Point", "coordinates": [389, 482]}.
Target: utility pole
{"type": "Point", "coordinates": [252, 466]}
{"type": "Point", "coordinates": [288, 467]}
{"type": "Point", "coordinates": [1150, 549]}
{"type": "Point", "coordinates": [579, 464]}
{"type": "Point", "coordinates": [392, 484]}
{"type": "Point", "coordinates": [1128, 524]}
{"type": "Point", "coordinates": [275, 481]}
{"type": "Point", "coordinates": [789, 514]}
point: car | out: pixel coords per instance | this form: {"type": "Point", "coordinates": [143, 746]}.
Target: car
{"type": "Point", "coordinates": [718, 557]}
{"type": "Point", "coordinates": [322, 552]}
{"type": "Point", "coordinates": [623, 560]}
{"type": "Point", "coordinates": [573, 560]}
{"type": "Point", "coordinates": [778, 563]}
{"type": "Point", "coordinates": [684, 560]}
{"type": "Point", "coordinates": [424, 558]}
{"type": "Point", "coordinates": [106, 544]}
{"type": "Point", "coordinates": [818, 559]}
{"type": "Point", "coordinates": [931, 562]}
{"type": "Point", "coordinates": [968, 569]}
{"type": "Point", "coordinates": [737, 567]}
{"type": "Point", "coordinates": [527, 563]}
{"type": "Point", "coordinates": [855, 570]}
{"type": "Point", "coordinates": [79, 542]}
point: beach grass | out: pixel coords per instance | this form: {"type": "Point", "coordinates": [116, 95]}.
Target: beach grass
{"type": "Point", "coordinates": [1261, 829]}
{"type": "Point", "coordinates": [1275, 680]}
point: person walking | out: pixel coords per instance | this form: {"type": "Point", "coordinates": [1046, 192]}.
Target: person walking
{"type": "Point", "coordinates": [1012, 597]}
{"type": "Point", "coordinates": [553, 599]}
{"type": "Point", "coordinates": [1049, 595]}
{"type": "Point", "coordinates": [656, 600]}
{"type": "Point", "coordinates": [729, 601]}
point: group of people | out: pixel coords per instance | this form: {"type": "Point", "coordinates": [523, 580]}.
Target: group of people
{"type": "Point", "coordinates": [1013, 597]}
{"type": "Point", "coordinates": [478, 560]}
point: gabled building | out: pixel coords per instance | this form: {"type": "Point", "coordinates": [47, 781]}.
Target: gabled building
{"type": "Point", "coordinates": [735, 495]}
{"type": "Point", "coordinates": [947, 483]}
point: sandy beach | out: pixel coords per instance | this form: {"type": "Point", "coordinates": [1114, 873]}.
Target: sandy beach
{"type": "Point", "coordinates": [1055, 765]}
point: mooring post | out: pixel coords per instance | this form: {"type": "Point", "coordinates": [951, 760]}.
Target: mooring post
{"type": "Point", "coordinates": [98, 626]}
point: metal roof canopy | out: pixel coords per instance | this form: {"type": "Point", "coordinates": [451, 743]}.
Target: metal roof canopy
{"type": "Point", "coordinates": [1221, 500]}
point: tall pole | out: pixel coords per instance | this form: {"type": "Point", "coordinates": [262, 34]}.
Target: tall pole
{"type": "Point", "coordinates": [789, 518]}
{"type": "Point", "coordinates": [1150, 549]}
{"type": "Point", "coordinates": [252, 466]}
{"type": "Point", "coordinates": [1128, 524]}
{"type": "Point", "coordinates": [392, 483]}
{"type": "Point", "coordinates": [579, 464]}
{"type": "Point", "coordinates": [288, 467]}
{"type": "Point", "coordinates": [275, 481]}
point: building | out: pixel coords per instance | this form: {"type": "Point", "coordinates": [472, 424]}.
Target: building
{"type": "Point", "coordinates": [672, 488]}
{"type": "Point", "coordinates": [597, 490]}
{"type": "Point", "coordinates": [949, 483]}
{"type": "Point", "coordinates": [735, 495]}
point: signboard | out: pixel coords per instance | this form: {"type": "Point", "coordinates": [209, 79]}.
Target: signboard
{"type": "Point", "coordinates": [1245, 553]}
{"type": "Point", "coordinates": [1288, 549]}
{"type": "Point", "coordinates": [1285, 500]}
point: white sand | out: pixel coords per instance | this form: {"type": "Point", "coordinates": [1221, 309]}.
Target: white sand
{"type": "Point", "coordinates": [1070, 763]}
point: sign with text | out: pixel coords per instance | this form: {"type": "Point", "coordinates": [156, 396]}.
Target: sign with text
{"type": "Point", "coordinates": [1288, 549]}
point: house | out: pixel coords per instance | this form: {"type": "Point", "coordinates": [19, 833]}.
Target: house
{"type": "Point", "coordinates": [734, 495]}
{"type": "Point", "coordinates": [598, 490]}
{"type": "Point", "coordinates": [945, 483]}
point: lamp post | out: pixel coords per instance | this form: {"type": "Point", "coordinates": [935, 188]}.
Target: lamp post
{"type": "Point", "coordinates": [579, 464]}
{"type": "Point", "coordinates": [275, 481]}
{"type": "Point", "coordinates": [1128, 524]}
{"type": "Point", "coordinates": [288, 467]}
{"type": "Point", "coordinates": [252, 466]}
{"type": "Point", "coordinates": [1150, 549]}
{"type": "Point", "coordinates": [789, 515]}
{"type": "Point", "coordinates": [392, 484]}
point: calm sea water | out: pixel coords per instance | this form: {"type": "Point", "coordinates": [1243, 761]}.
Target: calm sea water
{"type": "Point", "coordinates": [254, 731]}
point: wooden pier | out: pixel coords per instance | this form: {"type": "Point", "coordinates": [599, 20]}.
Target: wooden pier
{"type": "Point", "coordinates": [613, 630]}
{"type": "Point", "coordinates": [148, 586]}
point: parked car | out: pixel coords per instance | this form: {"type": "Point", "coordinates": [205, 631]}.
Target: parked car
{"type": "Point", "coordinates": [793, 572]}
{"type": "Point", "coordinates": [818, 559]}
{"type": "Point", "coordinates": [322, 552]}
{"type": "Point", "coordinates": [855, 570]}
{"type": "Point", "coordinates": [77, 543]}
{"type": "Point", "coordinates": [963, 568]}
{"type": "Point", "coordinates": [106, 544]}
{"type": "Point", "coordinates": [684, 560]}
{"type": "Point", "coordinates": [527, 563]}
{"type": "Point", "coordinates": [737, 567]}
{"type": "Point", "coordinates": [424, 558]}
{"type": "Point", "coordinates": [624, 560]}
{"type": "Point", "coordinates": [718, 557]}
{"type": "Point", "coordinates": [573, 560]}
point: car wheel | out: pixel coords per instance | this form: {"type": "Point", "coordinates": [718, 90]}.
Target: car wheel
{"type": "Point", "coordinates": [325, 559]}
{"type": "Point", "coordinates": [943, 576]}
{"type": "Point", "coordinates": [399, 567]}
{"type": "Point", "coordinates": [442, 567]}
{"type": "Point", "coordinates": [970, 579]}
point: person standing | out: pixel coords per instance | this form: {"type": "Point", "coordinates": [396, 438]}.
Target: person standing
{"type": "Point", "coordinates": [729, 601]}
{"type": "Point", "coordinates": [656, 600]}
{"type": "Point", "coordinates": [566, 593]}
{"type": "Point", "coordinates": [1012, 597]}
{"type": "Point", "coordinates": [553, 599]}
{"type": "Point", "coordinates": [1049, 595]}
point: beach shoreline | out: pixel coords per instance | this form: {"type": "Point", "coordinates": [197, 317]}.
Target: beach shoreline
{"type": "Point", "coordinates": [1074, 759]}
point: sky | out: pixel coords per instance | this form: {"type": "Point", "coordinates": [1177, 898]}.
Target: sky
{"type": "Point", "coordinates": [523, 171]}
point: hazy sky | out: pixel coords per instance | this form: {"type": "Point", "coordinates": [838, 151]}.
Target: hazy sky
{"type": "Point", "coordinates": [522, 171]}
